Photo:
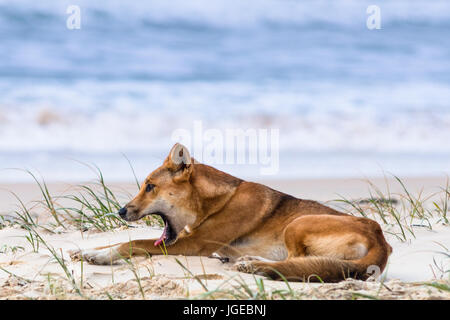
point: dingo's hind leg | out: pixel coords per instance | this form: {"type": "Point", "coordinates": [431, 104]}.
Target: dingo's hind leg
{"type": "Point", "coordinates": [325, 248]}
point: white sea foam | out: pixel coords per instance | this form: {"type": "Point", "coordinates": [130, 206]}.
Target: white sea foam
{"type": "Point", "coordinates": [130, 117]}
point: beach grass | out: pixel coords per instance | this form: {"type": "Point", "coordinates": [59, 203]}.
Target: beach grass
{"type": "Point", "coordinates": [400, 213]}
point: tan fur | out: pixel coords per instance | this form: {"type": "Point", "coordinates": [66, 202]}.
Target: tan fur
{"type": "Point", "coordinates": [347, 247]}
{"type": "Point", "coordinates": [264, 230]}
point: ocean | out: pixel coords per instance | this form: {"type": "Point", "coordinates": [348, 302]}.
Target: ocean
{"type": "Point", "coordinates": [347, 101]}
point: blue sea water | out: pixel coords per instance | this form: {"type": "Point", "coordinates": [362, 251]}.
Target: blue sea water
{"type": "Point", "coordinates": [348, 101]}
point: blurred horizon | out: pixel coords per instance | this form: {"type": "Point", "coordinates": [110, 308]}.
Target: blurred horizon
{"type": "Point", "coordinates": [347, 101]}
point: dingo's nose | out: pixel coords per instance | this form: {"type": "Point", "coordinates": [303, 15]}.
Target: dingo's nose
{"type": "Point", "coordinates": [123, 212]}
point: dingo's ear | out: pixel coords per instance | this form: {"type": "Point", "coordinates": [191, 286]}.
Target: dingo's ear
{"type": "Point", "coordinates": [180, 160]}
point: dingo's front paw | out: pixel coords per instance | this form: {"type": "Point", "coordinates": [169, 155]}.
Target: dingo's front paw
{"type": "Point", "coordinates": [75, 255]}
{"type": "Point", "coordinates": [106, 256]}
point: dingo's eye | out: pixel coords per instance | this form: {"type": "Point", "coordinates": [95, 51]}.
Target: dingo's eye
{"type": "Point", "coordinates": [149, 187]}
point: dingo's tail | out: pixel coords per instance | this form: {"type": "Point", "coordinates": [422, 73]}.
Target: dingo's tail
{"type": "Point", "coordinates": [326, 269]}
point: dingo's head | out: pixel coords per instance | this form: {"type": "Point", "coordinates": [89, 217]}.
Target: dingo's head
{"type": "Point", "coordinates": [167, 192]}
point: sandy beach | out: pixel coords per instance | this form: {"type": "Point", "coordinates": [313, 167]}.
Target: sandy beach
{"type": "Point", "coordinates": [28, 272]}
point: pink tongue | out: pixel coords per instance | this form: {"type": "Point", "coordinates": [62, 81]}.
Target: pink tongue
{"type": "Point", "coordinates": [162, 238]}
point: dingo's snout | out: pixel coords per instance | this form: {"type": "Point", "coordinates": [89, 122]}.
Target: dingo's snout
{"type": "Point", "coordinates": [123, 212]}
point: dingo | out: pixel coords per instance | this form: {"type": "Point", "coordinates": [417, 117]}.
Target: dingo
{"type": "Point", "coordinates": [260, 230]}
